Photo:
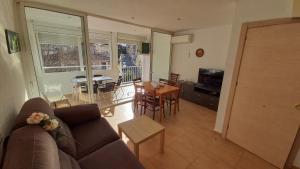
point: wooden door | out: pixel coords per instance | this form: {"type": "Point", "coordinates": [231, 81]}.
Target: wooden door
{"type": "Point", "coordinates": [263, 118]}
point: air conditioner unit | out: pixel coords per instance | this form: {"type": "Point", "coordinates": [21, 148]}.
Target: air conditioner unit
{"type": "Point", "coordinates": [181, 39]}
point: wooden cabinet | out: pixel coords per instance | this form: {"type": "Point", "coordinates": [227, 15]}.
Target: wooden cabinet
{"type": "Point", "coordinates": [203, 98]}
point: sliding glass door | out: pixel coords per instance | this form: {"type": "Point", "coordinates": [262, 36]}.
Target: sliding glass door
{"type": "Point", "coordinates": [59, 56]}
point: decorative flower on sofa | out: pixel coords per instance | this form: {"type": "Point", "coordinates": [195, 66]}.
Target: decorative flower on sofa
{"type": "Point", "coordinates": [36, 118]}
{"type": "Point", "coordinates": [43, 120]}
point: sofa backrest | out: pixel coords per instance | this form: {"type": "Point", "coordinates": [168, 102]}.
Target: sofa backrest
{"type": "Point", "coordinates": [31, 147]}
{"type": "Point", "coordinates": [65, 143]}
{"type": "Point", "coordinates": [32, 105]}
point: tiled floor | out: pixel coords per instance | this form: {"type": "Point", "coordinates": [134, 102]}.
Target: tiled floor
{"type": "Point", "coordinates": [190, 143]}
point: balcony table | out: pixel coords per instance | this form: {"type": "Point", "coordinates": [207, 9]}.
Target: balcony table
{"type": "Point", "coordinates": [161, 92]}
{"type": "Point", "coordinates": [101, 78]}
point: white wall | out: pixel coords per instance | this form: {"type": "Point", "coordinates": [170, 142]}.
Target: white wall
{"type": "Point", "coordinates": [161, 55]}
{"type": "Point", "coordinates": [213, 40]}
{"type": "Point", "coordinates": [12, 88]}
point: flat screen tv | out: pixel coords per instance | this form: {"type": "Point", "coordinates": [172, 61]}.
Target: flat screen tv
{"type": "Point", "coordinates": [145, 48]}
{"type": "Point", "coordinates": [212, 77]}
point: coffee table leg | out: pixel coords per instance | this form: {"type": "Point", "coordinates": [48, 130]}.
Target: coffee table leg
{"type": "Point", "coordinates": [162, 141]}
{"type": "Point", "coordinates": [136, 150]}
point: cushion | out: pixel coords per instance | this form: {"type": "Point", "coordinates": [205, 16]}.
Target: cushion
{"type": "Point", "coordinates": [66, 161]}
{"type": "Point", "coordinates": [31, 147]}
{"type": "Point", "coordinates": [78, 114]}
{"type": "Point", "coordinates": [115, 155]}
{"type": "Point", "coordinates": [93, 135]}
{"type": "Point", "coordinates": [32, 105]}
{"type": "Point", "coordinates": [66, 142]}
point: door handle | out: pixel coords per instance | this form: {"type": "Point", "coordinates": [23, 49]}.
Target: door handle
{"type": "Point", "coordinates": [297, 106]}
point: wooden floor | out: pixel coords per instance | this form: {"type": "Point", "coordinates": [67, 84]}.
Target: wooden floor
{"type": "Point", "coordinates": [190, 142]}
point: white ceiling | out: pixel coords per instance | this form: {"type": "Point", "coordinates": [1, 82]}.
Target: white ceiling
{"type": "Point", "coordinates": [96, 23]}
{"type": "Point", "coordinates": [38, 15]}
{"type": "Point", "coordinates": [162, 14]}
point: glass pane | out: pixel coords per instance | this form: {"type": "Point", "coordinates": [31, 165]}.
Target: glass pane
{"type": "Point", "coordinates": [58, 53]}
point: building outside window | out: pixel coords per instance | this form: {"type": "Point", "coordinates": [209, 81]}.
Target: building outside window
{"type": "Point", "coordinates": [60, 53]}
{"type": "Point", "coordinates": [101, 55]}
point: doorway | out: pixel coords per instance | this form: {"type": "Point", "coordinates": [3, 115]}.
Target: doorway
{"type": "Point", "coordinates": [59, 59]}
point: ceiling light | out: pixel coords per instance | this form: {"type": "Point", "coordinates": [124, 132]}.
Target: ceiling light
{"type": "Point", "coordinates": [178, 19]}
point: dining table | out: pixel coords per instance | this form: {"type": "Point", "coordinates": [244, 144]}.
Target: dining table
{"type": "Point", "coordinates": [161, 90]}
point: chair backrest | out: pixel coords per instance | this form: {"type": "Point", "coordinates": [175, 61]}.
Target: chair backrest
{"type": "Point", "coordinates": [137, 80]}
{"type": "Point", "coordinates": [150, 96]}
{"type": "Point", "coordinates": [80, 76]}
{"type": "Point", "coordinates": [165, 81]}
{"type": "Point", "coordinates": [119, 82]}
{"type": "Point", "coordinates": [110, 86]}
{"type": "Point", "coordinates": [138, 88]}
{"type": "Point", "coordinates": [174, 77]}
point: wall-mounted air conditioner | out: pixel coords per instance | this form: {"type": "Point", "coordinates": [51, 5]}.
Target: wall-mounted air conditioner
{"type": "Point", "coordinates": [181, 39]}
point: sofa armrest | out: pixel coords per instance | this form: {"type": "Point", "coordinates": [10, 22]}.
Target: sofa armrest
{"type": "Point", "coordinates": [76, 115]}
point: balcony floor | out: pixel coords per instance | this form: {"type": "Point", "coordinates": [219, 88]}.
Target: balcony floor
{"type": "Point", "coordinates": [122, 95]}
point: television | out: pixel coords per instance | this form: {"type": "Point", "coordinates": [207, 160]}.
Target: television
{"type": "Point", "coordinates": [145, 48]}
{"type": "Point", "coordinates": [210, 80]}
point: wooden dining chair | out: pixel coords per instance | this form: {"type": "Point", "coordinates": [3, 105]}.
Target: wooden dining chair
{"type": "Point", "coordinates": [139, 96]}
{"type": "Point", "coordinates": [174, 77]}
{"type": "Point", "coordinates": [174, 98]}
{"type": "Point", "coordinates": [152, 103]}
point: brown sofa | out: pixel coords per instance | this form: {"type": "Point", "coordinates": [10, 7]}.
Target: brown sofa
{"type": "Point", "coordinates": [89, 142]}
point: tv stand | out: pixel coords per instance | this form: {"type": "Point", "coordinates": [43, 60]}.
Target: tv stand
{"type": "Point", "coordinates": [207, 96]}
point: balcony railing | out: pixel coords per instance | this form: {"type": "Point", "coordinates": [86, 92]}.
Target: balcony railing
{"type": "Point", "coordinates": [55, 69]}
{"type": "Point", "coordinates": [131, 72]}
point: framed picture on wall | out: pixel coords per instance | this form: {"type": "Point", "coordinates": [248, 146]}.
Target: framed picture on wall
{"type": "Point", "coordinates": [13, 41]}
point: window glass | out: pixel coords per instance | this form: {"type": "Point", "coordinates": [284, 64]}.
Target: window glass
{"type": "Point", "coordinates": [60, 53]}
{"type": "Point", "coordinates": [100, 55]}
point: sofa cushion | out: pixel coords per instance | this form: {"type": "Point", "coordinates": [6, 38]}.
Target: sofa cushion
{"type": "Point", "coordinates": [31, 147]}
{"type": "Point", "coordinates": [93, 135]}
{"type": "Point", "coordinates": [115, 155]}
{"type": "Point", "coordinates": [66, 142]}
{"type": "Point", "coordinates": [78, 114]}
{"type": "Point", "coordinates": [66, 161]}
{"type": "Point", "coordinates": [32, 105]}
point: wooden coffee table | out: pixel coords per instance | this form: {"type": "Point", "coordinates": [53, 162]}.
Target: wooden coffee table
{"type": "Point", "coordinates": [141, 129]}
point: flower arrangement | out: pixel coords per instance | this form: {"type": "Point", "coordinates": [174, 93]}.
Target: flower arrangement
{"type": "Point", "coordinates": [43, 120]}
{"type": "Point", "coordinates": [51, 125]}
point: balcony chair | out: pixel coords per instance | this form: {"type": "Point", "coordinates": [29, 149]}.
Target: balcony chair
{"type": "Point", "coordinates": [108, 88]}
{"type": "Point", "coordinates": [137, 80]}
{"type": "Point", "coordinates": [119, 87]}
